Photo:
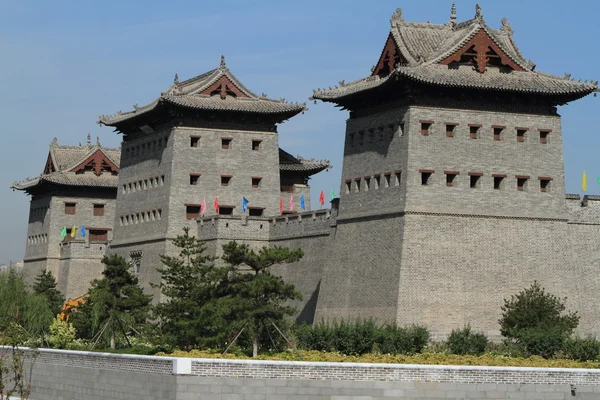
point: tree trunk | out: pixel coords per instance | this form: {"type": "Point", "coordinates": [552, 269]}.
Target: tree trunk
{"type": "Point", "coordinates": [255, 340]}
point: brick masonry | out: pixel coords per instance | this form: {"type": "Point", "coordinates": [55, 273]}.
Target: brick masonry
{"type": "Point", "coordinates": [83, 376]}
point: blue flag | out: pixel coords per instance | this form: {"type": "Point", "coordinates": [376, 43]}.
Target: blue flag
{"type": "Point", "coordinates": [302, 205]}
{"type": "Point", "coordinates": [82, 231]}
{"type": "Point", "coordinates": [244, 204]}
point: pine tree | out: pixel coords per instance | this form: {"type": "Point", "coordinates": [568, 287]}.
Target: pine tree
{"type": "Point", "coordinates": [45, 285]}
{"type": "Point", "coordinates": [261, 297]}
{"type": "Point", "coordinates": [194, 312]}
{"type": "Point", "coordinates": [115, 304]}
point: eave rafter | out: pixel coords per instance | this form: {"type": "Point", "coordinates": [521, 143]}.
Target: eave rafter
{"type": "Point", "coordinates": [483, 45]}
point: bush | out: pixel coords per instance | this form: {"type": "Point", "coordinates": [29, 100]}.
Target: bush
{"type": "Point", "coordinates": [62, 334]}
{"type": "Point", "coordinates": [534, 320]}
{"type": "Point", "coordinates": [581, 349]}
{"type": "Point", "coordinates": [361, 337]}
{"type": "Point", "coordinates": [463, 341]}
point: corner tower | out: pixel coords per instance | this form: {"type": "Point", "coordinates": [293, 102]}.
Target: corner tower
{"type": "Point", "coordinates": [205, 141]}
{"type": "Point", "coordinates": [452, 193]}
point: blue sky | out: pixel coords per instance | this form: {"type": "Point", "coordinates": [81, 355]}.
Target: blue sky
{"type": "Point", "coordinates": [65, 63]}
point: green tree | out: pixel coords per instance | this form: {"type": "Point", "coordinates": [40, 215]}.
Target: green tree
{"type": "Point", "coordinates": [23, 315]}
{"type": "Point", "coordinates": [193, 313]}
{"type": "Point", "coordinates": [45, 285]}
{"type": "Point", "coordinates": [114, 305]}
{"type": "Point", "coordinates": [261, 297]}
{"type": "Point", "coordinates": [537, 321]}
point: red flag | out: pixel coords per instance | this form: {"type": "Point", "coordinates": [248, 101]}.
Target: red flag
{"type": "Point", "coordinates": [292, 203]}
{"type": "Point", "coordinates": [203, 206]}
{"type": "Point", "coordinates": [281, 205]}
{"type": "Point", "coordinates": [216, 204]}
{"type": "Point", "coordinates": [322, 198]}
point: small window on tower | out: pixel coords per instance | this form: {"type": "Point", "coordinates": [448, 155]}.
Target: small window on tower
{"type": "Point", "coordinates": [425, 177]}
{"type": "Point", "coordinates": [474, 131]}
{"type": "Point", "coordinates": [425, 127]}
{"type": "Point", "coordinates": [256, 145]}
{"type": "Point", "coordinates": [226, 143]}
{"type": "Point", "coordinates": [357, 185]}
{"type": "Point", "coordinates": [98, 210]}
{"type": "Point", "coordinates": [545, 183]}
{"type": "Point", "coordinates": [450, 130]}
{"type": "Point", "coordinates": [348, 186]}
{"type": "Point", "coordinates": [499, 181]}
{"type": "Point", "coordinates": [521, 134]}
{"type": "Point", "coordinates": [522, 183]}
{"type": "Point", "coordinates": [450, 177]}
{"type": "Point", "coordinates": [377, 179]}
{"type": "Point", "coordinates": [256, 181]}
{"type": "Point", "coordinates": [192, 211]}
{"type": "Point", "coordinates": [98, 235]}
{"type": "Point", "coordinates": [498, 132]}
{"type": "Point", "coordinates": [255, 211]}
{"type": "Point", "coordinates": [225, 180]}
{"type": "Point", "coordinates": [225, 210]}
{"type": "Point", "coordinates": [367, 183]}
{"type": "Point", "coordinates": [474, 179]}
{"type": "Point", "coordinates": [388, 179]}
{"type": "Point", "coordinates": [397, 178]}
{"type": "Point", "coordinates": [70, 208]}
{"type": "Point", "coordinates": [194, 179]}
{"type": "Point", "coordinates": [195, 141]}
{"type": "Point", "coordinates": [544, 136]}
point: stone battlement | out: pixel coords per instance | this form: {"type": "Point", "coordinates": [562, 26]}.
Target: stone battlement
{"type": "Point", "coordinates": [584, 210]}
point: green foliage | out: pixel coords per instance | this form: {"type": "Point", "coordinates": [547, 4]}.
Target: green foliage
{"type": "Point", "coordinates": [582, 349]}
{"type": "Point", "coordinates": [361, 337]}
{"type": "Point", "coordinates": [195, 308]}
{"type": "Point", "coordinates": [15, 379]}
{"type": "Point", "coordinates": [45, 285]}
{"type": "Point", "coordinates": [23, 315]}
{"type": "Point", "coordinates": [534, 320]}
{"type": "Point", "coordinates": [463, 341]}
{"type": "Point", "coordinates": [62, 334]}
{"type": "Point", "coordinates": [115, 305]}
{"type": "Point", "coordinates": [257, 295]}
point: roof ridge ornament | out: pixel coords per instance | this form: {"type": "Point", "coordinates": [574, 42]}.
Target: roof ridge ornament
{"type": "Point", "coordinates": [453, 14]}
{"type": "Point", "coordinates": [223, 62]}
{"type": "Point", "coordinates": [54, 142]}
{"type": "Point", "coordinates": [176, 80]}
{"type": "Point", "coordinates": [89, 139]}
{"type": "Point", "coordinates": [478, 12]}
{"type": "Point", "coordinates": [98, 141]}
{"type": "Point", "coordinates": [397, 16]}
{"type": "Point", "coordinates": [506, 27]}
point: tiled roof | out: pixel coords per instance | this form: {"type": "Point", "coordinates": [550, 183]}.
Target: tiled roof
{"type": "Point", "coordinates": [287, 162]}
{"type": "Point", "coordinates": [425, 45]}
{"type": "Point", "coordinates": [192, 94]}
{"type": "Point", "coordinates": [65, 158]}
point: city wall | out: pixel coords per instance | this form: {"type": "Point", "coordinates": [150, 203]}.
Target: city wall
{"type": "Point", "coordinates": [60, 374]}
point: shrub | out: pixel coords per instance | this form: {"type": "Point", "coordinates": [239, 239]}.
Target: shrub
{"type": "Point", "coordinates": [582, 349]}
{"type": "Point", "coordinates": [463, 341]}
{"type": "Point", "coordinates": [361, 337]}
{"type": "Point", "coordinates": [534, 320]}
{"type": "Point", "coordinates": [62, 334]}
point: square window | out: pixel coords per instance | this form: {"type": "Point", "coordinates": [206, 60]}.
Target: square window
{"type": "Point", "coordinates": [498, 133]}
{"type": "Point", "coordinates": [388, 179]}
{"type": "Point", "coordinates": [256, 181]}
{"type": "Point", "coordinates": [521, 134]}
{"type": "Point", "coordinates": [498, 182]}
{"type": "Point", "coordinates": [521, 184]}
{"type": "Point", "coordinates": [194, 179]}
{"type": "Point", "coordinates": [98, 210]}
{"type": "Point", "coordinates": [425, 127]}
{"type": "Point", "coordinates": [348, 186]}
{"type": "Point", "coordinates": [225, 210]}
{"type": "Point", "coordinates": [544, 137]}
{"type": "Point", "coordinates": [450, 130]}
{"type": "Point", "coordinates": [226, 143]}
{"type": "Point", "coordinates": [255, 212]}
{"type": "Point", "coordinates": [425, 178]}
{"type": "Point", "coordinates": [70, 208]}
{"type": "Point", "coordinates": [192, 211]}
{"type": "Point", "coordinates": [256, 145]}
{"type": "Point", "coordinates": [545, 184]}
{"type": "Point", "coordinates": [450, 176]}
{"type": "Point", "coordinates": [474, 180]}
{"type": "Point", "coordinates": [474, 131]}
{"type": "Point", "coordinates": [225, 180]}
{"type": "Point", "coordinates": [195, 141]}
{"type": "Point", "coordinates": [98, 235]}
